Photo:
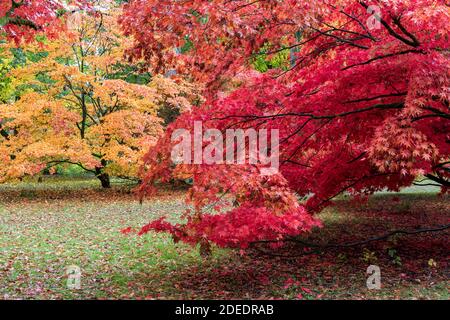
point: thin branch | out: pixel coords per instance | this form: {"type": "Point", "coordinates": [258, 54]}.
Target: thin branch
{"type": "Point", "coordinates": [382, 57]}
{"type": "Point", "coordinates": [344, 245]}
{"type": "Point", "coordinates": [439, 180]}
{"type": "Point", "coordinates": [392, 32]}
{"type": "Point", "coordinates": [56, 162]}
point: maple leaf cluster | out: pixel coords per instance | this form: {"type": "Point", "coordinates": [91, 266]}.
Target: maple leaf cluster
{"type": "Point", "coordinates": [238, 227]}
{"type": "Point", "coordinates": [23, 20]}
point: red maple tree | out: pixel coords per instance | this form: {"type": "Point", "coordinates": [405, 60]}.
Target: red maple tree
{"type": "Point", "coordinates": [363, 107]}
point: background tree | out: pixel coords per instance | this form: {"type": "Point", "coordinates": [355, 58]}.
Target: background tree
{"type": "Point", "coordinates": [77, 103]}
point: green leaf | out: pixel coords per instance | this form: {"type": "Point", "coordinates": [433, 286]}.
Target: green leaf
{"type": "Point", "coordinates": [4, 21]}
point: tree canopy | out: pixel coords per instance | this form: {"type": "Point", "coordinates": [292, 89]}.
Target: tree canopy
{"type": "Point", "coordinates": [364, 105]}
{"type": "Point", "coordinates": [76, 100]}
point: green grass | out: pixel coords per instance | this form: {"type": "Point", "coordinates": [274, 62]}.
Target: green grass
{"type": "Point", "coordinates": [46, 227]}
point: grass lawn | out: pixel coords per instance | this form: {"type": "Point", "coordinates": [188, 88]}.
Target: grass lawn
{"type": "Point", "coordinates": [45, 227]}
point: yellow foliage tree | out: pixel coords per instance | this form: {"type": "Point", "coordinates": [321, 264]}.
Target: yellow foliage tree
{"type": "Point", "coordinates": [77, 105]}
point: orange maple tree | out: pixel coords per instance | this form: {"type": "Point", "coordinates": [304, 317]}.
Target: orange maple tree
{"type": "Point", "coordinates": [77, 105]}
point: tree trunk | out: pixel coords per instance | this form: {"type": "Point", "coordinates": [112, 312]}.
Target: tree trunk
{"type": "Point", "coordinates": [103, 177]}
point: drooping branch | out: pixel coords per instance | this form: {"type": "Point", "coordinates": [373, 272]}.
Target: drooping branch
{"type": "Point", "coordinates": [23, 22]}
{"type": "Point", "coordinates": [399, 94]}
{"type": "Point", "coordinates": [397, 105]}
{"type": "Point", "coordinates": [413, 42]}
{"type": "Point", "coordinates": [320, 247]}
{"type": "Point", "coordinates": [384, 56]}
{"type": "Point", "coordinates": [440, 180]}
{"type": "Point", "coordinates": [57, 162]}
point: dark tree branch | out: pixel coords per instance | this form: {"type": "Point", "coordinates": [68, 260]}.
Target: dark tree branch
{"type": "Point", "coordinates": [319, 246]}
{"type": "Point", "coordinates": [382, 57]}
{"type": "Point", "coordinates": [396, 105]}
{"type": "Point", "coordinates": [56, 162]}
{"type": "Point", "coordinates": [391, 31]}
{"type": "Point", "coordinates": [441, 181]}
{"type": "Point", "coordinates": [24, 22]}
{"type": "Point", "coordinates": [399, 94]}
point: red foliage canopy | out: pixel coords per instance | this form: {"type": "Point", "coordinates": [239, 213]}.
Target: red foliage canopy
{"type": "Point", "coordinates": [23, 19]}
{"type": "Point", "coordinates": [364, 106]}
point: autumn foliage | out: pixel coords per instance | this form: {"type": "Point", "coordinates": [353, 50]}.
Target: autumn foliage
{"type": "Point", "coordinates": [76, 100]}
{"type": "Point", "coordinates": [363, 106]}
{"type": "Point", "coordinates": [23, 20]}
{"type": "Point", "coordinates": [359, 92]}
